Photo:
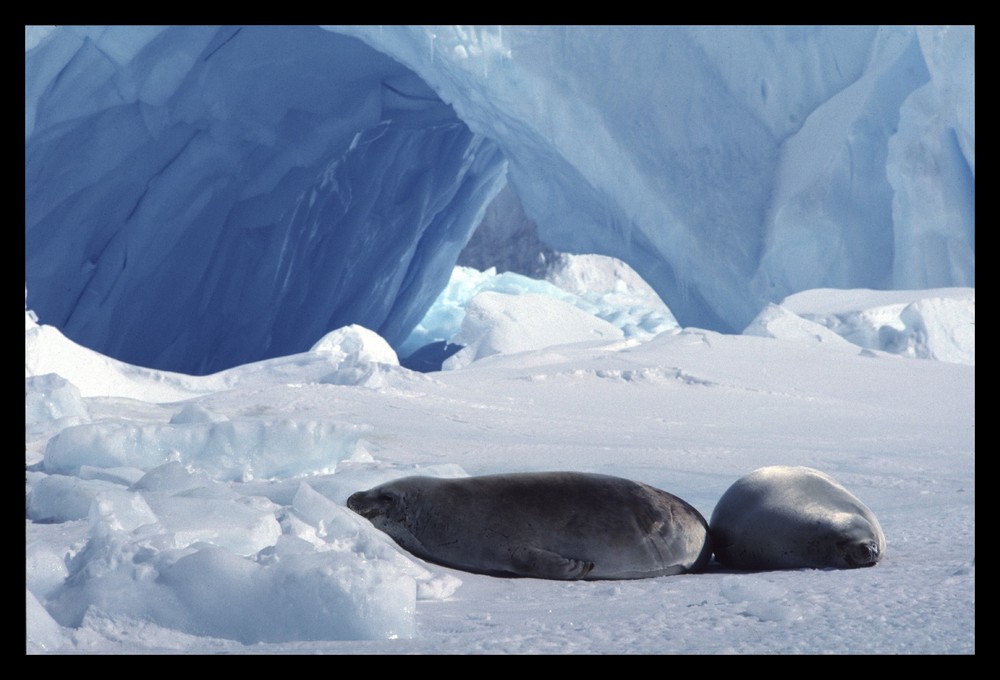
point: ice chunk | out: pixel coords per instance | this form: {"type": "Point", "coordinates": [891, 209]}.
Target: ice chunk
{"type": "Point", "coordinates": [503, 324]}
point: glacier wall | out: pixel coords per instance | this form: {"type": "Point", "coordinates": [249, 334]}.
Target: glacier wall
{"type": "Point", "coordinates": [199, 197]}
{"type": "Point", "coordinates": [202, 197]}
{"type": "Point", "coordinates": [730, 166]}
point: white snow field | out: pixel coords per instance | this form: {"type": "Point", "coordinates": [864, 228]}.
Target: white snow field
{"type": "Point", "coordinates": [213, 520]}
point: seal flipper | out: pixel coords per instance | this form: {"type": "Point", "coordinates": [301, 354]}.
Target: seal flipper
{"type": "Point", "coordinates": [534, 562]}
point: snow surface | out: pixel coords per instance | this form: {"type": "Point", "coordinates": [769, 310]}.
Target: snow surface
{"type": "Point", "coordinates": [213, 520]}
{"type": "Point", "coordinates": [201, 197]}
{"type": "Point", "coordinates": [927, 324]}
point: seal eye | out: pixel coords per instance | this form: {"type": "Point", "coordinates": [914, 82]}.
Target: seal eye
{"type": "Point", "coordinates": [388, 505]}
{"type": "Point", "coordinates": [370, 505]}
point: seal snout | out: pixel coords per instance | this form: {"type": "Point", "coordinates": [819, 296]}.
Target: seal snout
{"type": "Point", "coordinates": [359, 503]}
{"type": "Point", "coordinates": [864, 554]}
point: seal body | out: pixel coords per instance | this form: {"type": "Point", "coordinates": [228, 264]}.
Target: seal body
{"type": "Point", "coordinates": [785, 517]}
{"type": "Point", "coordinates": [553, 525]}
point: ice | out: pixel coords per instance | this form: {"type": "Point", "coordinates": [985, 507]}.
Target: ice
{"type": "Point", "coordinates": [43, 634]}
{"type": "Point", "coordinates": [496, 323]}
{"type": "Point", "coordinates": [932, 166]}
{"type": "Point", "coordinates": [45, 568]}
{"type": "Point", "coordinates": [601, 286]}
{"type": "Point", "coordinates": [234, 449]}
{"type": "Point", "coordinates": [216, 205]}
{"type": "Point", "coordinates": [61, 498]}
{"type": "Point", "coordinates": [49, 397]}
{"type": "Point", "coordinates": [925, 324]}
{"type": "Point", "coordinates": [145, 166]}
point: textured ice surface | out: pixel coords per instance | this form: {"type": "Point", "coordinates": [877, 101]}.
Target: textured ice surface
{"type": "Point", "coordinates": [194, 202]}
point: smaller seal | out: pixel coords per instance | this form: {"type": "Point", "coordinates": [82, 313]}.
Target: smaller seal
{"type": "Point", "coordinates": [786, 517]}
{"type": "Point", "coordinates": [552, 525]}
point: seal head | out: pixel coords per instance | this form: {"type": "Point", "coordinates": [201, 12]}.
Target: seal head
{"type": "Point", "coordinates": [786, 517]}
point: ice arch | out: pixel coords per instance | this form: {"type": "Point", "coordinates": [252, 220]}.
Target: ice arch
{"type": "Point", "coordinates": [202, 197]}
{"type": "Point", "coordinates": [199, 197]}
{"type": "Point", "coordinates": [730, 166]}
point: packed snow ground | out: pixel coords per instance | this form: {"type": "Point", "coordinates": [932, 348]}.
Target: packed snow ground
{"type": "Point", "coordinates": [173, 513]}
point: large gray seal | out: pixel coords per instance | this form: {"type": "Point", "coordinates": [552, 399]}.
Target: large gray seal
{"type": "Point", "coordinates": [553, 525]}
{"type": "Point", "coordinates": [786, 517]}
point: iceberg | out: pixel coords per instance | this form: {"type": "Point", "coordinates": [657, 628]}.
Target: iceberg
{"type": "Point", "coordinates": [199, 197]}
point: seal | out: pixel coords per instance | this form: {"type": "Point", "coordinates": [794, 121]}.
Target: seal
{"type": "Point", "coordinates": [786, 517]}
{"type": "Point", "coordinates": [551, 525]}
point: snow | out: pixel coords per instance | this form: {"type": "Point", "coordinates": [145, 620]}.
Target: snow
{"type": "Point", "coordinates": [217, 523]}
{"type": "Point", "coordinates": [506, 324]}
{"type": "Point", "coordinates": [927, 324]}
{"type": "Point", "coordinates": [521, 313]}
{"type": "Point", "coordinates": [203, 197]}
{"type": "Point", "coordinates": [234, 234]}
